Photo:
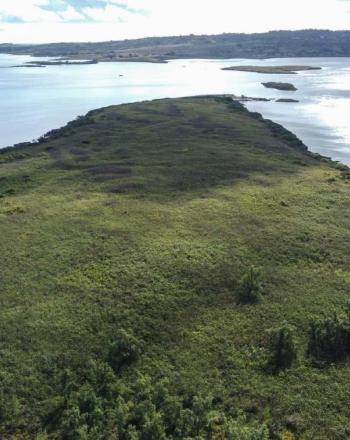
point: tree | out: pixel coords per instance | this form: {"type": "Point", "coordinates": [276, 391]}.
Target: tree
{"type": "Point", "coordinates": [329, 338]}
{"type": "Point", "coordinates": [250, 287]}
{"type": "Point", "coordinates": [124, 351]}
{"type": "Point", "coordinates": [282, 346]}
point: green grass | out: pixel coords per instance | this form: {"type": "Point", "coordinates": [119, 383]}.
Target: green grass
{"type": "Point", "coordinates": [144, 217]}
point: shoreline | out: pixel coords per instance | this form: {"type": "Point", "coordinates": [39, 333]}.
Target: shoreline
{"type": "Point", "coordinates": [85, 60]}
{"type": "Point", "coordinates": [74, 60]}
{"type": "Point", "coordinates": [330, 147]}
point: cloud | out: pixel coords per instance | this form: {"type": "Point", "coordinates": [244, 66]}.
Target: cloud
{"type": "Point", "coordinates": [28, 11]}
{"type": "Point", "coordinates": [97, 20]}
{"type": "Point", "coordinates": [80, 5]}
{"type": "Point", "coordinates": [110, 13]}
{"type": "Point", "coordinates": [10, 19]}
{"type": "Point", "coordinates": [71, 14]}
{"type": "Point", "coordinates": [131, 6]}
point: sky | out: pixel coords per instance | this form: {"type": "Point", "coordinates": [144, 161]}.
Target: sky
{"type": "Point", "coordinates": [39, 21]}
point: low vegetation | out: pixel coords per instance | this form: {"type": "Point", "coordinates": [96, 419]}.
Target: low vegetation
{"type": "Point", "coordinates": [131, 306]}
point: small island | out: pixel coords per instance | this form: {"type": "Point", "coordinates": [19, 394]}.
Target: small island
{"type": "Point", "coordinates": [286, 100]}
{"type": "Point", "coordinates": [280, 86]}
{"type": "Point", "coordinates": [57, 63]}
{"type": "Point", "coordinates": [281, 70]}
{"type": "Point", "coordinates": [244, 98]}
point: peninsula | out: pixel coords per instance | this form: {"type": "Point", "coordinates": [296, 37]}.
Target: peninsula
{"type": "Point", "coordinates": [173, 269]}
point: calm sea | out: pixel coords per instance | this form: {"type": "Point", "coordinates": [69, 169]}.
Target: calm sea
{"type": "Point", "coordinates": [35, 100]}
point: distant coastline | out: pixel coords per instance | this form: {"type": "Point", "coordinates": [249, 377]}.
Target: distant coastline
{"type": "Point", "coordinates": [276, 44]}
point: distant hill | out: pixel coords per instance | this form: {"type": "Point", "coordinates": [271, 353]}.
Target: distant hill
{"type": "Point", "coordinates": [304, 43]}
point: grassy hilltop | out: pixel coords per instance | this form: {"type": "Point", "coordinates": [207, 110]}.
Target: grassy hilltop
{"type": "Point", "coordinates": [147, 251]}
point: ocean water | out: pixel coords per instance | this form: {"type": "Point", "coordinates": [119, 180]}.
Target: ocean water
{"type": "Point", "coordinates": [36, 100]}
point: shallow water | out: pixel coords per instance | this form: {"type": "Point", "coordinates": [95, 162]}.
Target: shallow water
{"type": "Point", "coordinates": [35, 100]}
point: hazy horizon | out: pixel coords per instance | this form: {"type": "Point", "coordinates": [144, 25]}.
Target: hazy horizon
{"type": "Point", "coordinates": [48, 21]}
{"type": "Point", "coordinates": [179, 35]}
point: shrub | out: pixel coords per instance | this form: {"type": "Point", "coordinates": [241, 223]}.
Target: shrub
{"type": "Point", "coordinates": [42, 436]}
{"type": "Point", "coordinates": [153, 428]}
{"type": "Point", "coordinates": [250, 287]}
{"type": "Point", "coordinates": [283, 350]}
{"type": "Point", "coordinates": [235, 431]}
{"type": "Point", "coordinates": [9, 408]}
{"type": "Point", "coordinates": [329, 338]}
{"type": "Point", "coordinates": [124, 351]}
{"type": "Point", "coordinates": [142, 411]}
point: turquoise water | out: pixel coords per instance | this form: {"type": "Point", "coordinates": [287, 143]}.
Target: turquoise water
{"type": "Point", "coordinates": [35, 100]}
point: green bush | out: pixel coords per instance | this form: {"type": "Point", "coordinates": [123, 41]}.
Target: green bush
{"type": "Point", "coordinates": [124, 351]}
{"type": "Point", "coordinates": [9, 408]}
{"type": "Point", "coordinates": [250, 287]}
{"type": "Point", "coordinates": [283, 349]}
{"type": "Point", "coordinates": [329, 338]}
{"type": "Point", "coordinates": [142, 411]}
{"type": "Point", "coordinates": [235, 431]}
